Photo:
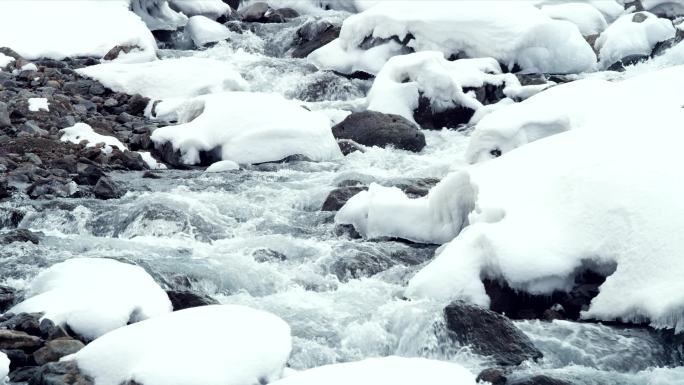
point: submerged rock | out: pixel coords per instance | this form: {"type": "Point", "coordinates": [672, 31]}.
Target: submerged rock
{"type": "Point", "coordinates": [8, 296]}
{"type": "Point", "coordinates": [372, 128]}
{"type": "Point", "coordinates": [489, 333]}
{"type": "Point", "coordinates": [185, 299]}
{"type": "Point", "coordinates": [19, 235]}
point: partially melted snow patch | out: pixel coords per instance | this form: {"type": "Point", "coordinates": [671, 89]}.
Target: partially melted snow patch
{"type": "Point", "coordinates": [38, 104]}
{"type": "Point", "coordinates": [81, 131]}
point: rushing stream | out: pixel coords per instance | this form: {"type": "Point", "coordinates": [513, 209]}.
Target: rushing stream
{"type": "Point", "coordinates": [257, 237]}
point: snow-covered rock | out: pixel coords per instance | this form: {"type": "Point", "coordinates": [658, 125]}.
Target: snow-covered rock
{"type": "Point", "coordinates": [208, 345]}
{"type": "Point", "coordinates": [209, 8]}
{"type": "Point", "coordinates": [5, 60]}
{"type": "Point", "coordinates": [223, 166]}
{"type": "Point", "coordinates": [203, 30]}
{"type": "Point", "coordinates": [384, 371]}
{"type": "Point", "coordinates": [94, 295]}
{"type": "Point", "coordinates": [630, 35]}
{"type": "Point", "coordinates": [512, 32]}
{"type": "Point", "coordinates": [38, 104]}
{"type": "Point", "coordinates": [59, 29]}
{"type": "Point", "coordinates": [586, 17]}
{"type": "Point", "coordinates": [247, 128]}
{"type": "Point", "coordinates": [152, 163]}
{"type": "Point", "coordinates": [4, 368]}
{"type": "Point", "coordinates": [596, 197]}
{"type": "Point", "coordinates": [404, 79]}
{"type": "Point", "coordinates": [568, 106]}
{"type": "Point", "coordinates": [171, 78]}
{"type": "Point", "coordinates": [81, 131]}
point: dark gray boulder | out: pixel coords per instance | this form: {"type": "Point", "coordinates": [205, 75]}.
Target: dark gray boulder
{"type": "Point", "coordinates": [8, 297]}
{"type": "Point", "coordinates": [60, 373]}
{"type": "Point", "coordinates": [19, 235]}
{"type": "Point", "coordinates": [339, 196]}
{"type": "Point", "coordinates": [185, 299]}
{"type": "Point", "coordinates": [56, 349]}
{"type": "Point", "coordinates": [314, 35]}
{"type": "Point", "coordinates": [105, 188]}
{"type": "Point", "coordinates": [489, 333]}
{"type": "Point", "coordinates": [371, 128]}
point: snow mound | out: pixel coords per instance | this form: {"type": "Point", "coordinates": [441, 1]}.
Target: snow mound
{"type": "Point", "coordinates": [38, 104]}
{"type": "Point", "coordinates": [4, 368]}
{"type": "Point", "coordinates": [5, 60]}
{"type": "Point", "coordinates": [209, 8]}
{"type": "Point", "coordinates": [81, 131]}
{"type": "Point", "coordinates": [571, 105]}
{"type": "Point", "coordinates": [208, 345]}
{"type": "Point", "coordinates": [632, 34]}
{"type": "Point", "coordinates": [592, 197]}
{"type": "Point", "coordinates": [384, 371]}
{"type": "Point", "coordinates": [247, 128]}
{"type": "Point", "coordinates": [223, 166]}
{"type": "Point", "coordinates": [94, 296]}
{"type": "Point", "coordinates": [157, 14]}
{"type": "Point", "coordinates": [405, 78]}
{"type": "Point", "coordinates": [190, 77]}
{"type": "Point", "coordinates": [203, 30]}
{"type": "Point", "coordinates": [59, 29]}
{"type": "Point", "coordinates": [512, 32]}
{"type": "Point", "coordinates": [586, 17]}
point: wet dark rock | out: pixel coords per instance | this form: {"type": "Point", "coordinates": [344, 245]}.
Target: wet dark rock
{"type": "Point", "coordinates": [18, 358]}
{"type": "Point", "coordinates": [23, 373]}
{"type": "Point", "coordinates": [88, 174]}
{"type": "Point", "coordinates": [60, 373]}
{"type": "Point", "coordinates": [539, 380]}
{"type": "Point", "coordinates": [627, 61]}
{"type": "Point", "coordinates": [314, 35]}
{"type": "Point", "coordinates": [50, 331]}
{"type": "Point", "coordinates": [51, 188]}
{"type": "Point", "coordinates": [10, 217]}
{"type": "Point", "coordinates": [56, 349]}
{"type": "Point", "coordinates": [494, 376]}
{"type": "Point", "coordinates": [661, 47]}
{"type": "Point", "coordinates": [151, 175]}
{"type": "Point", "coordinates": [339, 196]}
{"type": "Point", "coordinates": [8, 297]}
{"type": "Point", "coordinates": [19, 235]}
{"type": "Point", "coordinates": [489, 333]}
{"type": "Point", "coordinates": [5, 189]}
{"type": "Point", "coordinates": [5, 120]}
{"type": "Point", "coordinates": [430, 119]}
{"type": "Point", "coordinates": [268, 255]}
{"type": "Point", "coordinates": [358, 260]}
{"type": "Point", "coordinates": [185, 299]}
{"type": "Point", "coordinates": [372, 128]}
{"type": "Point", "coordinates": [12, 339]}
{"type": "Point", "coordinates": [23, 322]}
{"type": "Point", "coordinates": [137, 104]}
{"type": "Point", "coordinates": [119, 49]}
{"type": "Point", "coordinates": [105, 188]}
{"type": "Point", "coordinates": [639, 18]}
{"type": "Point", "coordinates": [169, 155]}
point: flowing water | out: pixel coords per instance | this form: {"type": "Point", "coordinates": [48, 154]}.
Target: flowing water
{"type": "Point", "coordinates": [257, 237]}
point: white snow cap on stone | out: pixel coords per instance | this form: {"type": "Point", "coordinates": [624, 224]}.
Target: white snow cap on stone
{"type": "Point", "coordinates": [203, 30]}
{"type": "Point", "coordinates": [171, 78]}
{"type": "Point", "coordinates": [208, 8]}
{"type": "Point", "coordinates": [208, 345]}
{"type": "Point", "coordinates": [151, 162]}
{"type": "Point", "coordinates": [630, 35]}
{"type": "Point", "coordinates": [509, 31]}
{"type": "Point", "coordinates": [38, 104]}
{"type": "Point", "coordinates": [247, 128]}
{"type": "Point", "coordinates": [59, 29]}
{"type": "Point", "coordinates": [5, 60]}
{"type": "Point", "coordinates": [586, 17]}
{"type": "Point", "coordinates": [81, 131]}
{"type": "Point", "coordinates": [94, 295]}
{"type": "Point", "coordinates": [223, 166]}
{"type": "Point", "coordinates": [384, 371]}
{"type": "Point", "coordinates": [4, 368]}
{"type": "Point", "coordinates": [600, 196]}
{"type": "Point", "coordinates": [397, 86]}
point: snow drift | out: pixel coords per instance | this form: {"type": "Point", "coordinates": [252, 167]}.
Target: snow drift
{"type": "Point", "coordinates": [512, 32]}
{"type": "Point", "coordinates": [209, 345]}
{"type": "Point", "coordinates": [247, 128]}
{"type": "Point", "coordinates": [94, 296]}
{"type": "Point", "coordinates": [384, 371]}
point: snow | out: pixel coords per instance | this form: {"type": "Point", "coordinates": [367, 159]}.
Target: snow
{"type": "Point", "coordinates": [670, 8]}
{"type": "Point", "coordinates": [171, 78]}
{"type": "Point", "coordinates": [384, 371]}
{"type": "Point", "coordinates": [223, 166]}
{"type": "Point", "coordinates": [598, 196]}
{"type": "Point", "coordinates": [29, 67]}
{"type": "Point", "coordinates": [5, 60]}
{"type": "Point", "coordinates": [94, 295]}
{"type": "Point", "coordinates": [247, 128]}
{"type": "Point", "coordinates": [209, 8]}
{"type": "Point", "coordinates": [626, 37]}
{"type": "Point", "coordinates": [509, 31]}
{"type": "Point", "coordinates": [203, 30]}
{"type": "Point", "coordinates": [81, 131]}
{"type": "Point", "coordinates": [38, 104]}
{"type": "Point", "coordinates": [59, 29]}
{"type": "Point", "coordinates": [4, 368]}
{"type": "Point", "coordinates": [208, 345]}
{"type": "Point", "coordinates": [572, 105]}
{"type": "Point", "coordinates": [403, 79]}
{"type": "Point", "coordinates": [151, 162]}
{"type": "Point", "coordinates": [587, 18]}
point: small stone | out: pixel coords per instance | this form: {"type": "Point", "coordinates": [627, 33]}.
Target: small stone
{"type": "Point", "coordinates": [111, 102]}
{"type": "Point", "coordinates": [11, 339]}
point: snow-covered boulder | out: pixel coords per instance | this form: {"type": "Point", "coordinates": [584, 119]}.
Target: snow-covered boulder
{"type": "Point", "coordinates": [209, 8]}
{"type": "Point", "coordinates": [59, 29]}
{"type": "Point", "coordinates": [245, 127]}
{"type": "Point", "coordinates": [586, 17]}
{"type": "Point", "coordinates": [632, 37]}
{"type": "Point", "coordinates": [512, 32]}
{"type": "Point", "coordinates": [384, 371]}
{"type": "Point", "coordinates": [208, 345]}
{"type": "Point", "coordinates": [223, 166]}
{"type": "Point", "coordinates": [591, 198]}
{"type": "Point", "coordinates": [203, 31]}
{"type": "Point", "coordinates": [4, 368]}
{"type": "Point", "coordinates": [93, 296]}
{"type": "Point", "coordinates": [171, 78]}
{"type": "Point", "coordinates": [572, 105]}
{"type": "Point", "coordinates": [80, 132]}
{"type": "Point", "coordinates": [445, 91]}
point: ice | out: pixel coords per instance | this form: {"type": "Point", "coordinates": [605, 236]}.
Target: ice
{"type": "Point", "coordinates": [93, 296]}
{"type": "Point", "coordinates": [38, 104]}
{"type": "Point", "coordinates": [629, 35]}
{"type": "Point", "coordinates": [247, 128]}
{"type": "Point", "coordinates": [69, 28]}
{"type": "Point", "coordinates": [384, 371]}
{"type": "Point", "coordinates": [170, 78]}
{"type": "Point", "coordinates": [238, 346]}
{"type": "Point", "coordinates": [223, 166]}
{"type": "Point", "coordinates": [81, 131]}
{"type": "Point", "coordinates": [544, 212]}
{"type": "Point", "coordinates": [403, 79]}
{"type": "Point", "coordinates": [203, 30]}
{"type": "Point", "coordinates": [513, 32]}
